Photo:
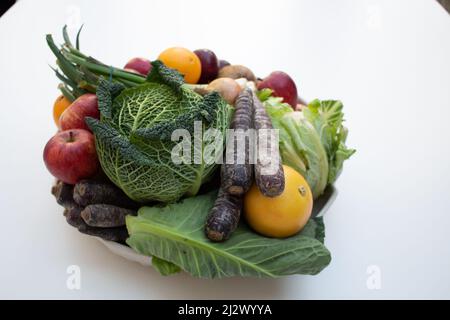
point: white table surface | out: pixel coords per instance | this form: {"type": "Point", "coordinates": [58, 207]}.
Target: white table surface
{"type": "Point", "coordinates": [388, 61]}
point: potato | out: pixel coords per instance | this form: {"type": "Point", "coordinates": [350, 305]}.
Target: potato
{"type": "Point", "coordinates": [236, 72]}
{"type": "Point", "coordinates": [226, 87]}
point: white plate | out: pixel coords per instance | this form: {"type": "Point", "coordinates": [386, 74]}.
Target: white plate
{"type": "Point", "coordinates": [126, 252]}
{"type": "Point", "coordinates": [321, 206]}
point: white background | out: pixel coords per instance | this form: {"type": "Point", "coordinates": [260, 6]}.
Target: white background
{"type": "Point", "coordinates": [388, 61]}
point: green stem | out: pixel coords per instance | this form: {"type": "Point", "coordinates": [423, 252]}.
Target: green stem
{"type": "Point", "coordinates": [66, 92]}
{"type": "Point", "coordinates": [75, 51]}
{"type": "Point", "coordinates": [66, 36]}
{"type": "Point", "coordinates": [126, 82]}
{"type": "Point", "coordinates": [66, 66]}
{"type": "Point", "coordinates": [105, 70]}
{"type": "Point", "coordinates": [63, 78]}
{"type": "Point", "coordinates": [77, 41]}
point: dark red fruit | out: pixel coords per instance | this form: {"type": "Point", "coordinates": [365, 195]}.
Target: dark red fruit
{"type": "Point", "coordinates": [282, 86]}
{"type": "Point", "coordinates": [139, 65]}
{"type": "Point", "coordinates": [210, 65]}
{"type": "Point", "coordinates": [70, 155]}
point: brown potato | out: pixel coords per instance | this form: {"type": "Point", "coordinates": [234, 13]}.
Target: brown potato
{"type": "Point", "coordinates": [236, 72]}
{"type": "Point", "coordinates": [226, 87]}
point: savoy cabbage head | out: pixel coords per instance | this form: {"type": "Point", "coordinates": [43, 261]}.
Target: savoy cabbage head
{"type": "Point", "coordinates": [133, 135]}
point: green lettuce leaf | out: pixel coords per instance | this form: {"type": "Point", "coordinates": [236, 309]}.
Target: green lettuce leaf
{"type": "Point", "coordinates": [300, 145]}
{"type": "Point", "coordinates": [175, 233]}
{"type": "Point", "coordinates": [312, 141]}
{"type": "Point", "coordinates": [327, 117]}
{"type": "Point", "coordinates": [164, 267]}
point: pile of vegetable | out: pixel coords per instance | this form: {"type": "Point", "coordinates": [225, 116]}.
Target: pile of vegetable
{"type": "Point", "coordinates": [247, 213]}
{"type": "Point", "coordinates": [95, 207]}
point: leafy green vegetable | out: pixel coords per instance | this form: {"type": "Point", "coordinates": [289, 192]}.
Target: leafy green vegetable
{"type": "Point", "coordinates": [164, 267]}
{"type": "Point", "coordinates": [133, 136]}
{"type": "Point", "coordinates": [175, 233]}
{"type": "Point", "coordinates": [265, 94]}
{"type": "Point", "coordinates": [80, 73]}
{"type": "Point", "coordinates": [327, 117]}
{"type": "Point", "coordinates": [300, 145]}
{"type": "Point", "coordinates": [312, 141]}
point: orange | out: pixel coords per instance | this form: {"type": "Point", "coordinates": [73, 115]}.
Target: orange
{"type": "Point", "coordinates": [284, 215]}
{"type": "Point", "coordinates": [61, 104]}
{"type": "Point", "coordinates": [183, 60]}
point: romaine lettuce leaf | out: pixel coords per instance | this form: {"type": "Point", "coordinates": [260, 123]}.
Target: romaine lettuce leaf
{"type": "Point", "coordinates": [300, 145]}
{"type": "Point", "coordinates": [327, 117]}
{"type": "Point", "coordinates": [312, 141]}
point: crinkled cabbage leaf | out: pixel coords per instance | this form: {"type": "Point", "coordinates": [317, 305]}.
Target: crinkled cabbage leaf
{"type": "Point", "coordinates": [133, 135]}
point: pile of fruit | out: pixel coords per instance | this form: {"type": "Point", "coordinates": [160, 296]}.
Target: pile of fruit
{"type": "Point", "coordinates": [113, 160]}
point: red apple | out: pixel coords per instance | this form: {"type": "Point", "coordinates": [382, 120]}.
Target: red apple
{"type": "Point", "coordinates": [282, 86]}
{"type": "Point", "coordinates": [139, 65]}
{"type": "Point", "coordinates": [131, 70]}
{"type": "Point", "coordinates": [70, 155]}
{"type": "Point", "coordinates": [73, 117]}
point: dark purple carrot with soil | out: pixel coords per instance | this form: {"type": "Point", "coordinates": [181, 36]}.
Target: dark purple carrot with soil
{"type": "Point", "coordinates": [118, 234]}
{"type": "Point", "coordinates": [63, 193]}
{"type": "Point", "coordinates": [269, 174]}
{"type": "Point", "coordinates": [105, 215]}
{"type": "Point", "coordinates": [237, 171]}
{"type": "Point", "coordinates": [73, 217]}
{"type": "Point", "coordinates": [223, 217]}
{"type": "Point", "coordinates": [88, 192]}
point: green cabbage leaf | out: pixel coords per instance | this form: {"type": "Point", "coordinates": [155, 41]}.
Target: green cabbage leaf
{"type": "Point", "coordinates": [164, 267]}
{"type": "Point", "coordinates": [175, 235]}
{"type": "Point", "coordinates": [133, 135]}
